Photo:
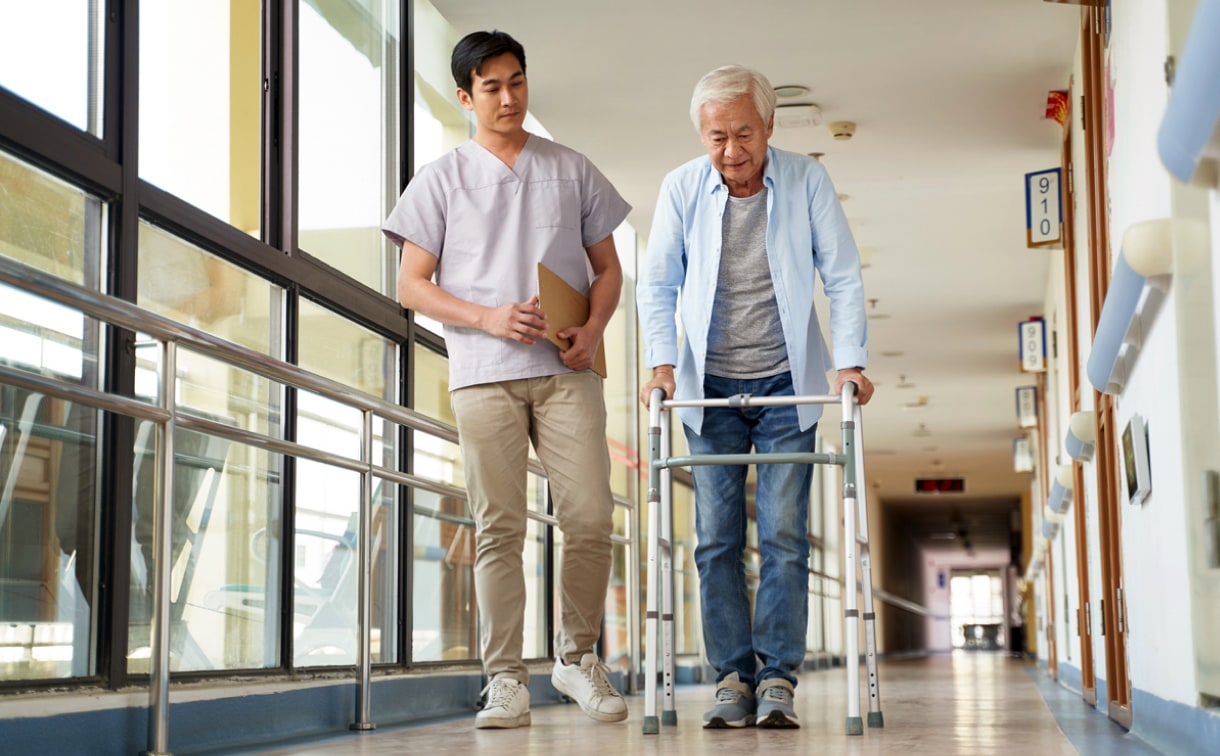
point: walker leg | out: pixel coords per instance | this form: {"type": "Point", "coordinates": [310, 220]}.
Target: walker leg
{"type": "Point", "coordinates": [669, 714]}
{"type": "Point", "coordinates": [651, 723]}
{"type": "Point", "coordinates": [851, 632]}
{"type": "Point", "coordinates": [875, 719]}
{"type": "Point", "coordinates": [851, 638]}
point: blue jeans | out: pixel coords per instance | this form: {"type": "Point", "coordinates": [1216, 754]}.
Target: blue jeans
{"type": "Point", "coordinates": [777, 637]}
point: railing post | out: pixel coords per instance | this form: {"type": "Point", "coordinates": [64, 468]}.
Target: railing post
{"type": "Point", "coordinates": [364, 604]}
{"type": "Point", "coordinates": [163, 533]}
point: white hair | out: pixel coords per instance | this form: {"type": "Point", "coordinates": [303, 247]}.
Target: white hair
{"type": "Point", "coordinates": [728, 83]}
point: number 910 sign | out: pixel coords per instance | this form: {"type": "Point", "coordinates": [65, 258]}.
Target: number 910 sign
{"type": "Point", "coordinates": [1043, 209]}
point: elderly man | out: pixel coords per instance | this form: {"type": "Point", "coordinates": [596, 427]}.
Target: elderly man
{"type": "Point", "coordinates": [739, 234]}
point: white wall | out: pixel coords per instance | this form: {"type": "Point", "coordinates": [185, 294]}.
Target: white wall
{"type": "Point", "coordinates": [1155, 566]}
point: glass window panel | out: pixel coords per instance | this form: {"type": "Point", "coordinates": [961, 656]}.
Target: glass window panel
{"type": "Point", "coordinates": [47, 223]}
{"type": "Point", "coordinates": [536, 643]}
{"type": "Point", "coordinates": [687, 620]}
{"type": "Point", "coordinates": [48, 515]}
{"type": "Point", "coordinates": [225, 553]}
{"type": "Point", "coordinates": [439, 122]}
{"type": "Point", "coordinates": [435, 458]}
{"type": "Point", "coordinates": [326, 567]}
{"type": "Point", "coordinates": [621, 391]}
{"type": "Point", "coordinates": [51, 54]}
{"type": "Point", "coordinates": [200, 105]}
{"type": "Point", "coordinates": [337, 348]}
{"type": "Point", "coordinates": [47, 338]}
{"type": "Point", "coordinates": [616, 636]}
{"type": "Point", "coordinates": [213, 389]}
{"type": "Point", "coordinates": [181, 281]}
{"type": "Point", "coordinates": [328, 425]}
{"type": "Point", "coordinates": [348, 132]}
{"type": "Point", "coordinates": [444, 612]}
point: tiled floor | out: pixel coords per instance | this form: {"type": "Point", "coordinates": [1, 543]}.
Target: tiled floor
{"type": "Point", "coordinates": [965, 703]}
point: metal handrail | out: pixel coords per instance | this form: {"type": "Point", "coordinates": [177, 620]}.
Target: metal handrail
{"type": "Point", "coordinates": [172, 335]}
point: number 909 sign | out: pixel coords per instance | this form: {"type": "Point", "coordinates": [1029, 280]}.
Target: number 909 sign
{"type": "Point", "coordinates": [1043, 209]}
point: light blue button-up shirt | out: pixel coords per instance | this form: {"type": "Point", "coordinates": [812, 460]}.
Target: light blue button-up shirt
{"type": "Point", "coordinates": [806, 230]}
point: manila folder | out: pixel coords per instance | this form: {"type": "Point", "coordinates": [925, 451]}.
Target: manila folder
{"type": "Point", "coordinates": [565, 307]}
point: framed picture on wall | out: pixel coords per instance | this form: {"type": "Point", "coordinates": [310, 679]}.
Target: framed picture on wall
{"type": "Point", "coordinates": [1135, 460]}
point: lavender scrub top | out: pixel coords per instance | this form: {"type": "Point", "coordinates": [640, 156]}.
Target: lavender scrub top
{"type": "Point", "coordinates": [490, 225]}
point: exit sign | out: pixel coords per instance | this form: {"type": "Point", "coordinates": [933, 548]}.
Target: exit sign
{"type": "Point", "coordinates": [939, 485]}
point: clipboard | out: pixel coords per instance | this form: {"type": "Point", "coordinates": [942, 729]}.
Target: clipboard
{"type": "Point", "coordinates": [565, 307]}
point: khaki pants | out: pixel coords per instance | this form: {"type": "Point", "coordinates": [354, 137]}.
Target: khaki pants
{"type": "Point", "coordinates": [564, 416]}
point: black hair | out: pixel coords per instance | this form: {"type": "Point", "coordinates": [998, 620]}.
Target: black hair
{"type": "Point", "coordinates": [475, 48]}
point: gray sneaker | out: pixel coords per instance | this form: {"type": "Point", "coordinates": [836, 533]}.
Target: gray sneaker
{"type": "Point", "coordinates": [734, 705]}
{"type": "Point", "coordinates": [775, 696]}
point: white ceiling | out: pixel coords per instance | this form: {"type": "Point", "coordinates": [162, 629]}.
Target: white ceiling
{"type": "Point", "coordinates": [948, 96]}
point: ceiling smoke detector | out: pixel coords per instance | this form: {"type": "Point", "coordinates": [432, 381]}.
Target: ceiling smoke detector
{"type": "Point", "coordinates": [843, 130]}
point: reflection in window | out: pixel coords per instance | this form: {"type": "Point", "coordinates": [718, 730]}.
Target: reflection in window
{"type": "Point", "coordinates": [183, 282]}
{"type": "Point", "coordinates": [51, 54]}
{"type": "Point", "coordinates": [180, 281]}
{"type": "Point", "coordinates": [687, 619]}
{"type": "Point", "coordinates": [537, 643]}
{"type": "Point", "coordinates": [224, 553]}
{"type": "Point", "coordinates": [435, 458]}
{"type": "Point", "coordinates": [48, 507]}
{"type": "Point", "coordinates": [348, 137]}
{"type": "Point", "coordinates": [200, 101]}
{"type": "Point", "coordinates": [616, 634]}
{"type": "Point", "coordinates": [49, 468]}
{"type": "Point", "coordinates": [336, 348]}
{"type": "Point", "coordinates": [444, 613]}
{"type": "Point", "coordinates": [47, 223]}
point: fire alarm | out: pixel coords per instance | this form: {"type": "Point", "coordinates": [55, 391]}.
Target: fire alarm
{"type": "Point", "coordinates": [842, 130]}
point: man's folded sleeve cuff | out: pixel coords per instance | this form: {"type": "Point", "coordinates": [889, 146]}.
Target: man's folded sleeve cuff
{"type": "Point", "coordinates": [654, 356]}
{"type": "Point", "coordinates": [851, 357]}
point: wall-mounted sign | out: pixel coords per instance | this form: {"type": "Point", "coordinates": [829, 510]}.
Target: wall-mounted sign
{"type": "Point", "coordinates": [1022, 455]}
{"type": "Point", "coordinates": [1033, 345]}
{"type": "Point", "coordinates": [1057, 106]}
{"type": "Point", "coordinates": [1027, 406]}
{"type": "Point", "coordinates": [1043, 209]}
{"type": "Point", "coordinates": [940, 485]}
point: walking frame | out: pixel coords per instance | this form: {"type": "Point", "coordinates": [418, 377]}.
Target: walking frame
{"type": "Point", "coordinates": [660, 547]}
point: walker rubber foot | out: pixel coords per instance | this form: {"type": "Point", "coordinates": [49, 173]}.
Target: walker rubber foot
{"type": "Point", "coordinates": [855, 726]}
{"type": "Point", "coordinates": [669, 718]}
{"type": "Point", "coordinates": [875, 719]}
{"type": "Point", "coordinates": [651, 726]}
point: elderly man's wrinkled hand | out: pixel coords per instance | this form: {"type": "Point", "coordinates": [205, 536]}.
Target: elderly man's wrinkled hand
{"type": "Point", "coordinates": [864, 387]}
{"type": "Point", "coordinates": [662, 378]}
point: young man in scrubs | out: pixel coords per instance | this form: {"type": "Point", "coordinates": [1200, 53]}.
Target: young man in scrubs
{"type": "Point", "coordinates": [473, 226]}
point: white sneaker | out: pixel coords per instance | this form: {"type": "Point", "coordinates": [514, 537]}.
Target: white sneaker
{"type": "Point", "coordinates": [507, 705]}
{"type": "Point", "coordinates": [586, 683]}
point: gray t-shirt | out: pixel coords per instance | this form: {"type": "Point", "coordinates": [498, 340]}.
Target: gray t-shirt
{"type": "Point", "coordinates": [489, 227]}
{"type": "Point", "coordinates": [746, 338]}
